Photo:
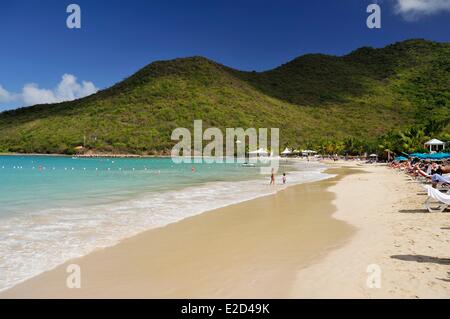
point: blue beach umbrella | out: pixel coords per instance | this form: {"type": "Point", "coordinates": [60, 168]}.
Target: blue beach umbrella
{"type": "Point", "coordinates": [436, 156]}
{"type": "Point", "coordinates": [419, 155]}
{"type": "Point", "coordinates": [439, 156]}
{"type": "Point", "coordinates": [401, 159]}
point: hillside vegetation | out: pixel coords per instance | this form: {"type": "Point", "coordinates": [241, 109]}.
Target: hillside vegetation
{"type": "Point", "coordinates": [365, 101]}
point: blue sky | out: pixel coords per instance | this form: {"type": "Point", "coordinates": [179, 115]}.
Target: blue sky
{"type": "Point", "coordinates": [39, 53]}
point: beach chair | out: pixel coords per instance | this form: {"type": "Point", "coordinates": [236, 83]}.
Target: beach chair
{"type": "Point", "coordinates": [437, 202]}
{"type": "Point", "coordinates": [440, 179]}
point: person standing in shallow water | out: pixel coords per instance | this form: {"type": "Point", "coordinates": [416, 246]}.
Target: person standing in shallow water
{"type": "Point", "coordinates": [272, 177]}
{"type": "Point", "coordinates": [283, 179]}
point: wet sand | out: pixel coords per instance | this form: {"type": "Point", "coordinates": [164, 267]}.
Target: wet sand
{"type": "Point", "coordinates": [248, 250]}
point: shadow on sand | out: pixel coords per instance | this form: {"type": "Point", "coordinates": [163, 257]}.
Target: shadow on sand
{"type": "Point", "coordinates": [423, 259]}
{"type": "Point", "coordinates": [413, 211]}
{"type": "Point", "coordinates": [445, 279]}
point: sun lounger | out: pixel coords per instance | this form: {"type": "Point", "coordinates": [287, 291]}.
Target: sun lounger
{"type": "Point", "coordinates": [437, 201]}
{"type": "Point", "coordinates": [440, 179]}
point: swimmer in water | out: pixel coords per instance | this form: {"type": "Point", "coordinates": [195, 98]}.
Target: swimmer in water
{"type": "Point", "coordinates": [272, 177]}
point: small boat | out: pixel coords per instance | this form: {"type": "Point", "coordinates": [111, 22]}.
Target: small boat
{"type": "Point", "coordinates": [248, 165]}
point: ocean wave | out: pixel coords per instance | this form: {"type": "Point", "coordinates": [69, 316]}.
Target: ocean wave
{"type": "Point", "coordinates": [39, 241]}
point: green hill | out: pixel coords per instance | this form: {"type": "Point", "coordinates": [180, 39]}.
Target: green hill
{"type": "Point", "coordinates": [314, 100]}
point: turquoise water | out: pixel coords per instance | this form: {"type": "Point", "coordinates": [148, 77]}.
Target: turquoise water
{"type": "Point", "coordinates": [53, 209]}
{"type": "Point", "coordinates": [31, 183]}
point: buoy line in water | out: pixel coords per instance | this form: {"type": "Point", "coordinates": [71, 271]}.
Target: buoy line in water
{"type": "Point", "coordinates": [81, 169]}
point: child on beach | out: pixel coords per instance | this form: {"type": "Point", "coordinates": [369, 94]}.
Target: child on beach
{"type": "Point", "coordinates": [272, 177]}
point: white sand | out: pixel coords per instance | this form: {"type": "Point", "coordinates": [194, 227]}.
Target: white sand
{"type": "Point", "coordinates": [410, 246]}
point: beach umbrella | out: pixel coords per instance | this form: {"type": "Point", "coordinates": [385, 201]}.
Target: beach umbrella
{"type": "Point", "coordinates": [308, 152]}
{"type": "Point", "coordinates": [419, 155]}
{"type": "Point", "coordinates": [401, 159]}
{"type": "Point", "coordinates": [439, 156]}
{"type": "Point", "coordinates": [286, 151]}
{"type": "Point", "coordinates": [405, 154]}
{"type": "Point", "coordinates": [260, 151]}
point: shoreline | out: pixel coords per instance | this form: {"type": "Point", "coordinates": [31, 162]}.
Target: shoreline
{"type": "Point", "coordinates": [217, 194]}
{"type": "Point", "coordinates": [190, 224]}
{"type": "Point", "coordinates": [313, 240]}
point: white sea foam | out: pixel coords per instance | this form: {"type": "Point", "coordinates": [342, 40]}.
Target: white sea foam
{"type": "Point", "coordinates": [40, 241]}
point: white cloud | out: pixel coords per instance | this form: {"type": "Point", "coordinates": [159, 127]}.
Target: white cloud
{"type": "Point", "coordinates": [412, 9]}
{"type": "Point", "coordinates": [5, 96]}
{"type": "Point", "coordinates": [67, 90]}
{"type": "Point", "coordinates": [32, 94]}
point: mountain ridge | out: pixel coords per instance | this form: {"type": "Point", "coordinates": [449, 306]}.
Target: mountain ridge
{"type": "Point", "coordinates": [312, 98]}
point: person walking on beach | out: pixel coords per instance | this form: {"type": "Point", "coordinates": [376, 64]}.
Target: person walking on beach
{"type": "Point", "coordinates": [272, 177]}
{"type": "Point", "coordinates": [284, 178]}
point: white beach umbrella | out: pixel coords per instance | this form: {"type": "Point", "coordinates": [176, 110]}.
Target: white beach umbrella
{"type": "Point", "coordinates": [260, 152]}
{"type": "Point", "coordinates": [286, 151]}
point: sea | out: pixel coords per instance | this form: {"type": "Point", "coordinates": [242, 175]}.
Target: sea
{"type": "Point", "coordinates": [56, 208]}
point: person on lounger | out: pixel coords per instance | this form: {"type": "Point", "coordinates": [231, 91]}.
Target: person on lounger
{"type": "Point", "coordinates": [439, 179]}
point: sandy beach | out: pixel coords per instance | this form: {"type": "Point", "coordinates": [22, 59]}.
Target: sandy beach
{"type": "Point", "coordinates": [312, 240]}
{"type": "Point", "coordinates": [394, 232]}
